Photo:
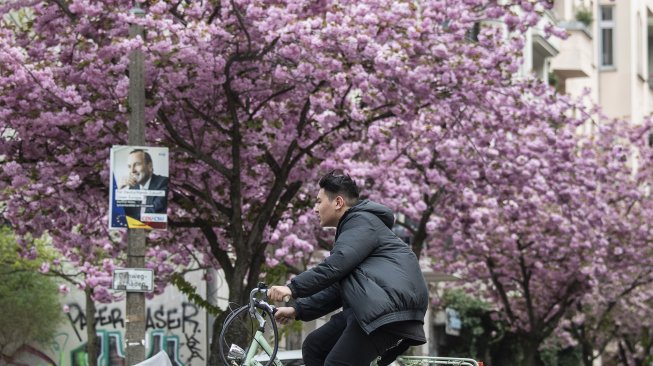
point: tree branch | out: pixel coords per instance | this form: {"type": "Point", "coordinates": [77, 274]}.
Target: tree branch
{"type": "Point", "coordinates": [282, 205]}
{"type": "Point", "coordinates": [175, 13]}
{"type": "Point", "coordinates": [65, 9]}
{"type": "Point", "coordinates": [274, 166]}
{"type": "Point", "coordinates": [218, 253]}
{"type": "Point", "coordinates": [303, 115]}
{"type": "Point", "coordinates": [205, 196]}
{"type": "Point", "coordinates": [241, 23]}
{"type": "Point", "coordinates": [205, 117]}
{"type": "Point", "coordinates": [269, 98]}
{"type": "Point", "coordinates": [502, 292]}
{"type": "Point", "coordinates": [190, 149]}
{"type": "Point", "coordinates": [215, 12]}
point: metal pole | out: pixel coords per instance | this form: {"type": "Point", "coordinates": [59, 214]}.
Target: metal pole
{"type": "Point", "coordinates": [135, 319]}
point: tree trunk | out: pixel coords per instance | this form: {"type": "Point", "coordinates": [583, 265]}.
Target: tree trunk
{"type": "Point", "coordinates": [588, 354]}
{"type": "Point", "coordinates": [505, 350]}
{"type": "Point", "coordinates": [91, 335]}
{"type": "Point", "coordinates": [530, 353]}
{"type": "Point", "coordinates": [623, 354]}
{"type": "Point", "coordinates": [516, 349]}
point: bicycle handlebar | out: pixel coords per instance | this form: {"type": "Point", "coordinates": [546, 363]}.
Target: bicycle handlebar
{"type": "Point", "coordinates": [254, 302]}
{"type": "Point", "coordinates": [263, 289]}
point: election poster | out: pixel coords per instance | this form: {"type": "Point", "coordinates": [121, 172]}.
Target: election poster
{"type": "Point", "coordinates": [138, 193]}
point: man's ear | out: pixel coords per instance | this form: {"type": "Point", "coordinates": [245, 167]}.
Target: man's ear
{"type": "Point", "coordinates": [340, 202]}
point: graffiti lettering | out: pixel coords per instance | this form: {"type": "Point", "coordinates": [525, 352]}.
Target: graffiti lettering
{"type": "Point", "coordinates": [191, 343]}
{"type": "Point", "coordinates": [113, 318]}
{"type": "Point", "coordinates": [189, 311]}
{"type": "Point", "coordinates": [158, 316]}
{"type": "Point", "coordinates": [158, 319]}
{"type": "Point", "coordinates": [169, 319]}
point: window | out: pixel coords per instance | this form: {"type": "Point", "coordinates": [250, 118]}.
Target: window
{"type": "Point", "coordinates": [606, 28]}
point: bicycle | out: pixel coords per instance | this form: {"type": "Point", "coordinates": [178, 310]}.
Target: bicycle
{"type": "Point", "coordinates": [257, 312]}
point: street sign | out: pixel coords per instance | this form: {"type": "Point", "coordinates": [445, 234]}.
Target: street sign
{"type": "Point", "coordinates": [133, 279]}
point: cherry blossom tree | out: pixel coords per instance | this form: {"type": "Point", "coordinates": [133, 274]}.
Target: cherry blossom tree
{"type": "Point", "coordinates": [616, 309]}
{"type": "Point", "coordinates": [250, 96]}
{"type": "Point", "coordinates": [537, 223]}
{"type": "Point", "coordinates": [541, 216]}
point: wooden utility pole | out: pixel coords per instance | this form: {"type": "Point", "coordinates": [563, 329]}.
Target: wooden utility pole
{"type": "Point", "coordinates": [135, 319]}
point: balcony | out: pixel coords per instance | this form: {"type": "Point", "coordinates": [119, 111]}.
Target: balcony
{"type": "Point", "coordinates": [544, 45]}
{"type": "Point", "coordinates": [575, 59]}
{"type": "Point", "coordinates": [541, 48]}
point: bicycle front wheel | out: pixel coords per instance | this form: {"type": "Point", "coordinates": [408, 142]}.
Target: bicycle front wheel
{"type": "Point", "coordinates": [245, 341]}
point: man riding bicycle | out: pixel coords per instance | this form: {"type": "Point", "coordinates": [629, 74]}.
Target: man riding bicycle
{"type": "Point", "coordinates": [371, 273]}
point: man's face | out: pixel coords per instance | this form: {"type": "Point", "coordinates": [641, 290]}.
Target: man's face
{"type": "Point", "coordinates": [139, 170]}
{"type": "Point", "coordinates": [329, 211]}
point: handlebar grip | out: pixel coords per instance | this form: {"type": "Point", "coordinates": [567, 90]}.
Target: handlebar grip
{"type": "Point", "coordinates": [285, 298]}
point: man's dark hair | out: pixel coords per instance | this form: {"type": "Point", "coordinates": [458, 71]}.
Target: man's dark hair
{"type": "Point", "coordinates": [335, 184]}
{"type": "Point", "coordinates": [148, 158]}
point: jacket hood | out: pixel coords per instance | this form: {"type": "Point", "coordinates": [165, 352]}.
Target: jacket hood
{"type": "Point", "coordinates": [382, 212]}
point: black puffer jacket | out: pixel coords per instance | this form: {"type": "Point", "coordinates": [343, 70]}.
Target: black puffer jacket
{"type": "Point", "coordinates": [369, 270]}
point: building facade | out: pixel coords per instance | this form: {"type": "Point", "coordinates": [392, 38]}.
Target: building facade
{"type": "Point", "coordinates": [609, 51]}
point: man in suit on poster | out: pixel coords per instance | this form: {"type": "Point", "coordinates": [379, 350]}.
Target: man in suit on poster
{"type": "Point", "coordinates": [141, 176]}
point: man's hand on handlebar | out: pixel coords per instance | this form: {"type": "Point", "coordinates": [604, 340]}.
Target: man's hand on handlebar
{"type": "Point", "coordinates": [284, 314]}
{"type": "Point", "coordinates": [279, 293]}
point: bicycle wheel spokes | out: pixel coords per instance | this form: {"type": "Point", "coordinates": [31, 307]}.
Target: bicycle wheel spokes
{"type": "Point", "coordinates": [238, 342]}
{"type": "Point", "coordinates": [237, 333]}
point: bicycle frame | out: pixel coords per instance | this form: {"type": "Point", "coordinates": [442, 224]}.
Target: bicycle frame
{"type": "Point", "coordinates": [259, 340]}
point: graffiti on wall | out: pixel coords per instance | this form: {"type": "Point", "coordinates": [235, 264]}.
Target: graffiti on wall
{"type": "Point", "coordinates": [110, 351]}
{"type": "Point", "coordinates": [185, 318]}
{"type": "Point", "coordinates": [176, 330]}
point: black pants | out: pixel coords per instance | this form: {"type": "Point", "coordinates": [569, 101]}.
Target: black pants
{"type": "Point", "coordinates": [341, 341]}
